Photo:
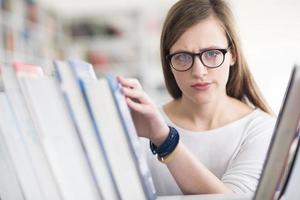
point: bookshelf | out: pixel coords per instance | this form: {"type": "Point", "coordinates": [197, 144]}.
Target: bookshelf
{"type": "Point", "coordinates": [30, 33]}
{"type": "Point", "coordinates": [111, 41]}
{"type": "Point", "coordinates": [124, 42]}
{"type": "Point", "coordinates": [45, 163]}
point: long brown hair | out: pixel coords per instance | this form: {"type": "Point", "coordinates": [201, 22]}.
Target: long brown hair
{"type": "Point", "coordinates": [186, 13]}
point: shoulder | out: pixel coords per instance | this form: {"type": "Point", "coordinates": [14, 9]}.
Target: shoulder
{"type": "Point", "coordinates": [256, 117]}
{"type": "Point", "coordinates": [260, 126]}
{"type": "Point", "coordinates": [262, 119]}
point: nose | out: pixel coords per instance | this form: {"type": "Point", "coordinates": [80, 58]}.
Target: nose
{"type": "Point", "coordinates": [198, 69]}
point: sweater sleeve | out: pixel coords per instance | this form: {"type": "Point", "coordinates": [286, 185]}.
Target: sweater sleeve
{"type": "Point", "coordinates": [244, 170]}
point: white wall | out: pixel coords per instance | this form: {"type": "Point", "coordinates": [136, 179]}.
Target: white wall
{"type": "Point", "coordinates": [270, 32]}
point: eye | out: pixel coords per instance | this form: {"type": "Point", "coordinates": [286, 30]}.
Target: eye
{"type": "Point", "coordinates": [212, 53]}
{"type": "Point", "coordinates": [182, 57]}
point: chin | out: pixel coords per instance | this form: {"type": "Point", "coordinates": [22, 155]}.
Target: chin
{"type": "Point", "coordinates": [201, 99]}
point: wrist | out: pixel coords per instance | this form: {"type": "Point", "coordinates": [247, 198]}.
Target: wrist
{"type": "Point", "coordinates": [161, 137]}
{"type": "Point", "coordinates": [168, 145]}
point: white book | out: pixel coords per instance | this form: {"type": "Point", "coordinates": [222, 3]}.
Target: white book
{"type": "Point", "coordinates": [18, 152]}
{"type": "Point", "coordinates": [284, 134]}
{"type": "Point", "coordinates": [44, 185]}
{"type": "Point", "coordinates": [59, 139]}
{"type": "Point", "coordinates": [132, 137]}
{"type": "Point", "coordinates": [95, 152]}
{"type": "Point", "coordinates": [113, 136]}
{"type": "Point", "coordinates": [290, 190]}
{"type": "Point", "coordinates": [32, 137]}
{"type": "Point", "coordinates": [10, 187]}
{"type": "Point", "coordinates": [82, 70]}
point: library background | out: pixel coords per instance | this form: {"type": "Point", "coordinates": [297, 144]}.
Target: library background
{"type": "Point", "coordinates": [123, 37]}
{"type": "Point", "coordinates": [41, 39]}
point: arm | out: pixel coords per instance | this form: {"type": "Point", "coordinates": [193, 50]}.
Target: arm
{"type": "Point", "coordinates": [244, 171]}
{"type": "Point", "coordinates": [191, 175]}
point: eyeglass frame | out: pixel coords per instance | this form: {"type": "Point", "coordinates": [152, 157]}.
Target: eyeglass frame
{"type": "Point", "coordinates": [223, 51]}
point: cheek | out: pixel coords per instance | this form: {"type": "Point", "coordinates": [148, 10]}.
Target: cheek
{"type": "Point", "coordinates": [181, 79]}
{"type": "Point", "coordinates": [223, 71]}
{"type": "Point", "coordinates": [223, 74]}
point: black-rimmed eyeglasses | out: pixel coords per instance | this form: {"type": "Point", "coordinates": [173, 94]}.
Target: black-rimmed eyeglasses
{"type": "Point", "coordinates": [183, 61]}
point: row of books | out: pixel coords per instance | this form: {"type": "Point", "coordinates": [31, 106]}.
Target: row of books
{"type": "Point", "coordinates": [69, 136]}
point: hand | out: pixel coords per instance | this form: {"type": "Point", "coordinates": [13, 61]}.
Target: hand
{"type": "Point", "coordinates": [146, 117]}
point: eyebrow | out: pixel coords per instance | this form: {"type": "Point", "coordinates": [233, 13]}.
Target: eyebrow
{"type": "Point", "coordinates": [200, 50]}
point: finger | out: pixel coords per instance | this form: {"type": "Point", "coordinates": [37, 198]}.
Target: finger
{"type": "Point", "coordinates": [135, 106]}
{"type": "Point", "coordinates": [129, 82]}
{"type": "Point", "coordinates": [136, 94]}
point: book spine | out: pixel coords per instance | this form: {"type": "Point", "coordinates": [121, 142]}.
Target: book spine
{"type": "Point", "coordinates": [98, 135]}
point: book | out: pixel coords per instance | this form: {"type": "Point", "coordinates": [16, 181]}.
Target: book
{"type": "Point", "coordinates": [132, 137]}
{"type": "Point", "coordinates": [59, 139]}
{"type": "Point", "coordinates": [82, 69]}
{"type": "Point", "coordinates": [107, 120]}
{"type": "Point", "coordinates": [68, 75]}
{"type": "Point", "coordinates": [12, 155]}
{"type": "Point", "coordinates": [43, 184]}
{"type": "Point", "coordinates": [75, 134]}
{"type": "Point", "coordinates": [41, 164]}
{"type": "Point", "coordinates": [292, 181]}
{"type": "Point", "coordinates": [1, 80]}
{"type": "Point", "coordinates": [23, 69]}
{"type": "Point", "coordinates": [17, 149]}
{"type": "Point", "coordinates": [10, 187]}
{"type": "Point", "coordinates": [285, 133]}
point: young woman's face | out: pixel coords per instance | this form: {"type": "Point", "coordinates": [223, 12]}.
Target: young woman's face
{"type": "Point", "coordinates": [201, 84]}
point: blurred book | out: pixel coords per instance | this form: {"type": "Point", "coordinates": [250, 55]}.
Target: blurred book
{"type": "Point", "coordinates": [116, 141]}
{"type": "Point", "coordinates": [68, 75]}
{"type": "Point", "coordinates": [28, 70]}
{"type": "Point", "coordinates": [292, 179]}
{"type": "Point", "coordinates": [74, 134]}
{"type": "Point", "coordinates": [14, 161]}
{"type": "Point", "coordinates": [132, 137]}
{"type": "Point", "coordinates": [16, 130]}
{"type": "Point", "coordinates": [8, 172]}
{"type": "Point", "coordinates": [280, 152]}
{"type": "Point", "coordinates": [32, 137]}
{"type": "Point", "coordinates": [58, 136]}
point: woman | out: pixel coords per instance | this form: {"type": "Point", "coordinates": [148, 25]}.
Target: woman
{"type": "Point", "coordinates": [223, 122]}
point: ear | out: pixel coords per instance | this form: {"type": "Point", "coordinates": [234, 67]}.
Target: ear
{"type": "Point", "coordinates": [232, 56]}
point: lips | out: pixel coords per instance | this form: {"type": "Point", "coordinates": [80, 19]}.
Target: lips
{"type": "Point", "coordinates": [201, 86]}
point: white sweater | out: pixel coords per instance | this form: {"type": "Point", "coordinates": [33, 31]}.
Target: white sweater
{"type": "Point", "coordinates": [235, 153]}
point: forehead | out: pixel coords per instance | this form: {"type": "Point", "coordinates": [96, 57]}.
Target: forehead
{"type": "Point", "coordinates": [205, 34]}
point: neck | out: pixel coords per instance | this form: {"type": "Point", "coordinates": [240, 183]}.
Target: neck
{"type": "Point", "coordinates": [207, 115]}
